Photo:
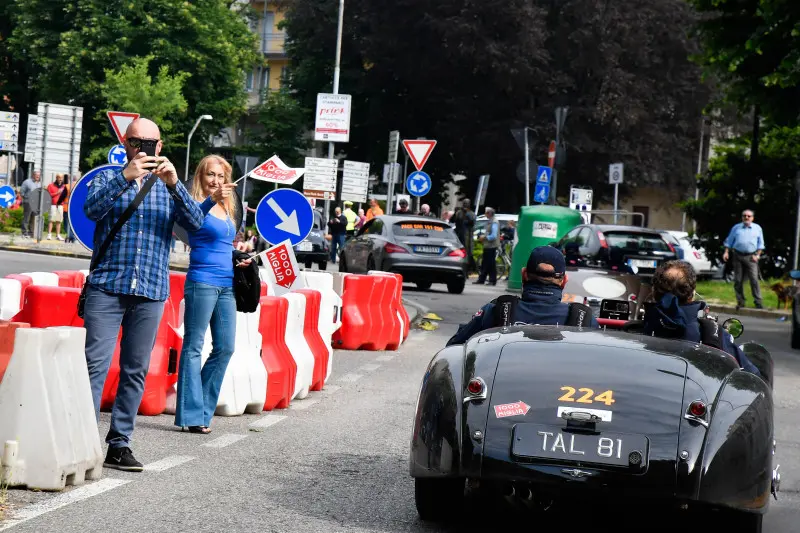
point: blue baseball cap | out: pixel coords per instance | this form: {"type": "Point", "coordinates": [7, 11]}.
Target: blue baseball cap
{"type": "Point", "coordinates": [547, 255]}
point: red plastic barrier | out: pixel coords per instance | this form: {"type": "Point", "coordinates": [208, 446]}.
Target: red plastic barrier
{"type": "Point", "coordinates": [70, 278]}
{"type": "Point", "coordinates": [25, 281]}
{"type": "Point", "coordinates": [314, 338]}
{"type": "Point", "coordinates": [367, 320]}
{"type": "Point", "coordinates": [7, 334]}
{"type": "Point", "coordinates": [44, 307]}
{"type": "Point", "coordinates": [278, 360]}
{"type": "Point", "coordinates": [395, 305]}
{"type": "Point", "coordinates": [401, 307]}
{"type": "Point", "coordinates": [383, 319]}
{"type": "Point", "coordinates": [177, 283]}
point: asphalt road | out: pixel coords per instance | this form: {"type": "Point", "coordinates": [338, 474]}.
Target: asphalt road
{"type": "Point", "coordinates": [334, 462]}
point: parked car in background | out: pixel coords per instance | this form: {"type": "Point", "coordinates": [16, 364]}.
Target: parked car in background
{"type": "Point", "coordinates": [424, 250]}
{"type": "Point", "coordinates": [314, 248]}
{"type": "Point", "coordinates": [673, 240]}
{"type": "Point", "coordinates": [694, 256]}
{"type": "Point", "coordinates": [481, 223]}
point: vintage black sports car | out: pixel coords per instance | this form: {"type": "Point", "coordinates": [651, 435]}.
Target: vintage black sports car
{"type": "Point", "coordinates": [556, 414]}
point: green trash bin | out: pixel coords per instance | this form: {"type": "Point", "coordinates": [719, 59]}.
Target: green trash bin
{"type": "Point", "coordinates": [538, 226]}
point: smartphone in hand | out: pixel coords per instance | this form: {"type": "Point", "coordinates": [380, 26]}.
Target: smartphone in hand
{"type": "Point", "coordinates": [149, 148]}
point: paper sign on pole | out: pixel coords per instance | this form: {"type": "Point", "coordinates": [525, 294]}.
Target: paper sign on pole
{"type": "Point", "coordinates": [282, 269]}
{"type": "Point", "coordinates": [120, 120]}
{"type": "Point", "coordinates": [274, 170]}
{"type": "Point", "coordinates": [333, 118]}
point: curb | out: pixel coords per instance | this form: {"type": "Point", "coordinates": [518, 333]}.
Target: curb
{"type": "Point", "coordinates": [751, 312]}
{"type": "Point", "coordinates": [74, 255]}
{"type": "Point", "coordinates": [415, 310]}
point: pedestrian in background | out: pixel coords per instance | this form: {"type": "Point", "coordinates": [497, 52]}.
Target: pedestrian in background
{"type": "Point", "coordinates": [130, 283]}
{"type": "Point", "coordinates": [56, 191]}
{"type": "Point", "coordinates": [30, 201]}
{"type": "Point", "coordinates": [209, 297]}
{"type": "Point", "coordinates": [351, 217]}
{"type": "Point", "coordinates": [362, 219]}
{"type": "Point", "coordinates": [374, 210]}
{"type": "Point", "coordinates": [425, 211]}
{"type": "Point", "coordinates": [746, 239]}
{"type": "Point", "coordinates": [464, 221]}
{"type": "Point", "coordinates": [403, 208]}
{"type": "Point", "coordinates": [491, 242]}
{"type": "Point", "coordinates": [337, 227]}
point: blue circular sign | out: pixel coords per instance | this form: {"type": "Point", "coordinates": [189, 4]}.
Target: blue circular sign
{"type": "Point", "coordinates": [82, 227]}
{"type": "Point", "coordinates": [117, 155]}
{"type": "Point", "coordinates": [418, 183]}
{"type": "Point", "coordinates": [284, 214]}
{"type": "Point", "coordinates": [7, 196]}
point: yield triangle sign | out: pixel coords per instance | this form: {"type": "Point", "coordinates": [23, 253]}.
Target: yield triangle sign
{"type": "Point", "coordinates": [120, 121]}
{"type": "Point", "coordinates": [419, 151]}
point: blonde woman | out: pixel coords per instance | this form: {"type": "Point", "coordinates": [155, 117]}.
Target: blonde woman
{"type": "Point", "coordinates": [209, 297]}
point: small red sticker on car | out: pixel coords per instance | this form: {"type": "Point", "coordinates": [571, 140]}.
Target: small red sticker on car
{"type": "Point", "coordinates": [511, 409]}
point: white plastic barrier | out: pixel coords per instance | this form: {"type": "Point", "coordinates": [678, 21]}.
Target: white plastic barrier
{"type": "Point", "coordinates": [244, 387]}
{"type": "Point", "coordinates": [48, 424]}
{"type": "Point", "coordinates": [46, 279]}
{"type": "Point", "coordinates": [399, 317]}
{"type": "Point", "coordinates": [296, 342]}
{"type": "Point", "coordinates": [330, 312]}
{"type": "Point", "coordinates": [338, 282]}
{"type": "Point", "coordinates": [10, 298]}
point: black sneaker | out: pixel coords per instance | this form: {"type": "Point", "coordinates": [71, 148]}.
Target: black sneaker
{"type": "Point", "coordinates": [122, 459]}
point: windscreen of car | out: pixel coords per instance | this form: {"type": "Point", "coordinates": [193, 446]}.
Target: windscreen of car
{"type": "Point", "coordinates": [630, 240]}
{"type": "Point", "coordinates": [414, 228]}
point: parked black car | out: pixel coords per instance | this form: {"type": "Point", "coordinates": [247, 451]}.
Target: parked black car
{"type": "Point", "coordinates": [314, 248]}
{"type": "Point", "coordinates": [612, 247]}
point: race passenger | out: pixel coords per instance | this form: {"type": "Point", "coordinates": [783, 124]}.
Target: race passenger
{"type": "Point", "coordinates": [543, 279]}
{"type": "Point", "coordinates": [675, 315]}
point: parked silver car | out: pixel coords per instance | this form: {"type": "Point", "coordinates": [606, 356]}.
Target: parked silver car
{"type": "Point", "coordinates": [424, 250]}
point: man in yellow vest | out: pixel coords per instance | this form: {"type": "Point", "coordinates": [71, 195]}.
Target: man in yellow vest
{"type": "Point", "coordinates": [351, 217]}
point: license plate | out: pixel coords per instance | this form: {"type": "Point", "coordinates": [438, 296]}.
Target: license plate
{"type": "Point", "coordinates": [304, 246]}
{"type": "Point", "coordinates": [552, 442]}
{"type": "Point", "coordinates": [642, 263]}
{"type": "Point", "coordinates": [428, 249]}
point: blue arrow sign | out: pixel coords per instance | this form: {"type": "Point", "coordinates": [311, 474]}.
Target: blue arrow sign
{"type": "Point", "coordinates": [117, 155]}
{"type": "Point", "coordinates": [284, 214]}
{"type": "Point", "coordinates": [82, 227]}
{"type": "Point", "coordinates": [7, 196]}
{"type": "Point", "coordinates": [543, 175]}
{"type": "Point", "coordinates": [418, 183]}
{"type": "Point", "coordinates": [541, 193]}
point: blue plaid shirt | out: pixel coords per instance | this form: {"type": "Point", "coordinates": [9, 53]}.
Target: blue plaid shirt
{"type": "Point", "coordinates": [137, 261]}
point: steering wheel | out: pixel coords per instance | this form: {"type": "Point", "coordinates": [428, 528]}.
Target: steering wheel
{"type": "Point", "coordinates": [633, 326]}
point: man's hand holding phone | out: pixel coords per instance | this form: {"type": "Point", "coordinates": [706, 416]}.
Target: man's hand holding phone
{"type": "Point", "coordinates": [166, 172]}
{"type": "Point", "coordinates": [141, 165]}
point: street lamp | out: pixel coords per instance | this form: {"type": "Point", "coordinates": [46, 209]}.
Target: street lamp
{"type": "Point", "coordinates": [189, 144]}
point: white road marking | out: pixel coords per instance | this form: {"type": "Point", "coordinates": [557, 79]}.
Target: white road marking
{"type": "Point", "coordinates": [370, 367]}
{"type": "Point", "coordinates": [302, 404]}
{"type": "Point", "coordinates": [167, 462]}
{"type": "Point", "coordinates": [384, 358]}
{"type": "Point", "coordinates": [224, 440]}
{"type": "Point", "coordinates": [34, 510]}
{"type": "Point", "coordinates": [267, 421]}
{"type": "Point", "coordinates": [350, 378]}
{"type": "Point", "coordinates": [330, 389]}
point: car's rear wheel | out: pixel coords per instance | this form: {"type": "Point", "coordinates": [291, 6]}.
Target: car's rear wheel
{"type": "Point", "coordinates": [308, 264]}
{"type": "Point", "coordinates": [424, 285]}
{"type": "Point", "coordinates": [323, 265]}
{"type": "Point", "coordinates": [456, 286]}
{"type": "Point", "coordinates": [741, 522]}
{"type": "Point", "coordinates": [342, 263]}
{"type": "Point", "coordinates": [438, 499]}
{"type": "Point", "coordinates": [370, 263]}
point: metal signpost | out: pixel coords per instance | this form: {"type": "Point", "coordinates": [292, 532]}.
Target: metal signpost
{"type": "Point", "coordinates": [59, 147]}
{"type": "Point", "coordinates": [483, 187]}
{"type": "Point", "coordinates": [31, 142]}
{"type": "Point", "coordinates": [418, 183]}
{"type": "Point", "coordinates": [9, 137]}
{"type": "Point", "coordinates": [615, 172]}
{"type": "Point", "coordinates": [355, 181]}
{"type": "Point", "coordinates": [319, 180]}
{"type": "Point", "coordinates": [394, 167]}
{"type": "Point", "coordinates": [561, 118]}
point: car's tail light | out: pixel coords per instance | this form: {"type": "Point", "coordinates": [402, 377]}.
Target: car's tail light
{"type": "Point", "coordinates": [390, 248]}
{"type": "Point", "coordinates": [697, 254]}
{"type": "Point", "coordinates": [697, 408]}
{"type": "Point", "coordinates": [603, 242]}
{"type": "Point", "coordinates": [461, 252]}
{"type": "Point", "coordinates": [632, 297]}
{"type": "Point", "coordinates": [476, 386]}
{"type": "Point", "coordinates": [672, 248]}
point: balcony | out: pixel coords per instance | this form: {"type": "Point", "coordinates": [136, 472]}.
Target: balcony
{"type": "Point", "coordinates": [272, 44]}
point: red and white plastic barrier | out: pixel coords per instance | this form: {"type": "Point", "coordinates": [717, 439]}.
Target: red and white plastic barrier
{"type": "Point", "coordinates": [330, 311]}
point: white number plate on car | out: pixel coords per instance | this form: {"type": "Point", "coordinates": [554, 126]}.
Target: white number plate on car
{"type": "Point", "coordinates": [428, 249]}
{"type": "Point", "coordinates": [304, 246]}
{"type": "Point", "coordinates": [642, 263]}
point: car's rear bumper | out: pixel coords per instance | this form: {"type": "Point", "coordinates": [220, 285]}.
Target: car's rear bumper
{"type": "Point", "coordinates": [314, 256]}
{"type": "Point", "coordinates": [432, 272]}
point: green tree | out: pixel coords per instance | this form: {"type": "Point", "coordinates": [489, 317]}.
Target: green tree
{"type": "Point", "coordinates": [68, 45]}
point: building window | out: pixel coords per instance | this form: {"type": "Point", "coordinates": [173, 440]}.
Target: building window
{"type": "Point", "coordinates": [264, 84]}
{"type": "Point", "coordinates": [248, 82]}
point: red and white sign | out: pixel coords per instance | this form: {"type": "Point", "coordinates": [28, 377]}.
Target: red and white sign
{"type": "Point", "coordinates": [332, 123]}
{"type": "Point", "coordinates": [282, 269]}
{"type": "Point", "coordinates": [551, 154]}
{"type": "Point", "coordinates": [511, 409]}
{"type": "Point", "coordinates": [274, 170]}
{"type": "Point", "coordinates": [120, 120]}
{"type": "Point", "coordinates": [419, 151]}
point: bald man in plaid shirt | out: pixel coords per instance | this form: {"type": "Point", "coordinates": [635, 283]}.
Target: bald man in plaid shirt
{"type": "Point", "coordinates": [130, 284]}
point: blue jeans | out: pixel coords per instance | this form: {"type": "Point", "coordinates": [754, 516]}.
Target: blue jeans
{"type": "Point", "coordinates": [139, 318]}
{"type": "Point", "coordinates": [198, 390]}
{"type": "Point", "coordinates": [337, 241]}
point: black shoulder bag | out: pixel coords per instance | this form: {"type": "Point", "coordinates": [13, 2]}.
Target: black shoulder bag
{"type": "Point", "coordinates": [96, 257]}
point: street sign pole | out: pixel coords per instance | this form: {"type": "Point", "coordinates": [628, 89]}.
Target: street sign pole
{"type": "Point", "coordinates": [561, 118]}
{"type": "Point", "coordinates": [616, 198]}
{"type": "Point", "coordinates": [336, 70]}
{"type": "Point", "coordinates": [615, 177]}
{"type": "Point", "coordinates": [527, 172]}
{"type": "Point", "coordinates": [394, 145]}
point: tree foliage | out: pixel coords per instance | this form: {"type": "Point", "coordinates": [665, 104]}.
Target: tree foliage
{"type": "Point", "coordinates": [466, 73]}
{"type": "Point", "coordinates": [68, 46]}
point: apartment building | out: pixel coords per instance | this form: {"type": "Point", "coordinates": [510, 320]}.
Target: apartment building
{"type": "Point", "coordinates": [272, 42]}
